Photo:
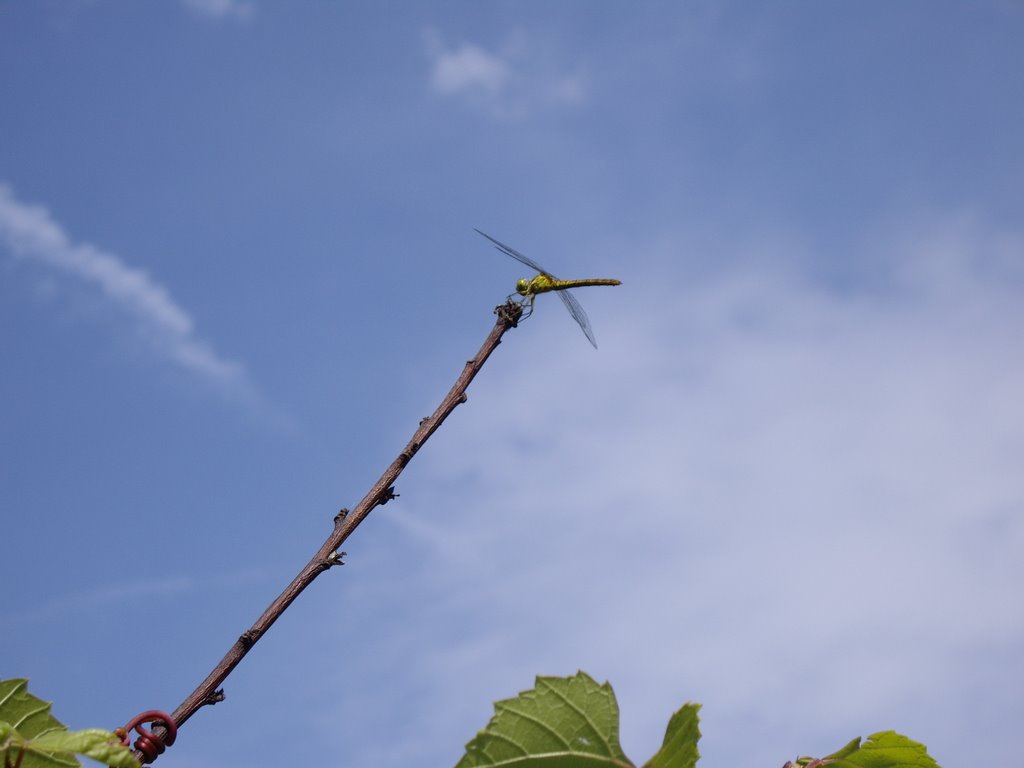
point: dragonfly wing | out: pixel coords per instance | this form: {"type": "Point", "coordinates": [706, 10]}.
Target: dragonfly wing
{"type": "Point", "coordinates": [578, 314]}
{"type": "Point", "coordinates": [508, 251]}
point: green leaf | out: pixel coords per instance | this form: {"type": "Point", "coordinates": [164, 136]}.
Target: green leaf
{"type": "Point", "coordinates": [563, 722]}
{"type": "Point", "coordinates": [849, 749]}
{"type": "Point", "coordinates": [886, 749]}
{"type": "Point", "coordinates": [29, 716]}
{"type": "Point", "coordinates": [679, 749]}
{"type": "Point", "coordinates": [96, 743]}
{"type": "Point", "coordinates": [24, 718]}
{"type": "Point", "coordinates": [26, 725]}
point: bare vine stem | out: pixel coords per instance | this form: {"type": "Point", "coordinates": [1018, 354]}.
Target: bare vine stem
{"type": "Point", "coordinates": [345, 522]}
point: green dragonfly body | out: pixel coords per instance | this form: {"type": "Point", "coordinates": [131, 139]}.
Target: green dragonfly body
{"type": "Point", "coordinates": [545, 282]}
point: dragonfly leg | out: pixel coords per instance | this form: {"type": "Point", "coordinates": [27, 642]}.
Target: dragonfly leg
{"type": "Point", "coordinates": [527, 302]}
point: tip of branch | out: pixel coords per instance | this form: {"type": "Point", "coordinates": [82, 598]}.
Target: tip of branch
{"type": "Point", "coordinates": [510, 311]}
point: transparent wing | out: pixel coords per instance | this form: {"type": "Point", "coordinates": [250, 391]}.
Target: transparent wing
{"type": "Point", "coordinates": [517, 256]}
{"type": "Point", "coordinates": [567, 298]}
{"type": "Point", "coordinates": [577, 314]}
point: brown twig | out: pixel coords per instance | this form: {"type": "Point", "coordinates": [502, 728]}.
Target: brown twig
{"type": "Point", "coordinates": [344, 523]}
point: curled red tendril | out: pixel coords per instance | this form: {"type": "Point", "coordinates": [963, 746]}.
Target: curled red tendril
{"type": "Point", "coordinates": [149, 744]}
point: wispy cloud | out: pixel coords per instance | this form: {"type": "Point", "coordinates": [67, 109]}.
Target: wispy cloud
{"type": "Point", "coordinates": [221, 9]}
{"type": "Point", "coordinates": [104, 597]}
{"type": "Point", "coordinates": [511, 82]}
{"type": "Point", "coordinates": [100, 598]}
{"type": "Point", "coordinates": [30, 232]}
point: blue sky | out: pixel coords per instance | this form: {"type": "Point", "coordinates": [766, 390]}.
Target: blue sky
{"type": "Point", "coordinates": [237, 266]}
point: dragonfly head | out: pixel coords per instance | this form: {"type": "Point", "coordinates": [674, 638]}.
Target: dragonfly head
{"type": "Point", "coordinates": [523, 287]}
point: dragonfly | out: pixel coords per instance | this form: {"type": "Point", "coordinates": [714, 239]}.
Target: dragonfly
{"type": "Point", "coordinates": [545, 282]}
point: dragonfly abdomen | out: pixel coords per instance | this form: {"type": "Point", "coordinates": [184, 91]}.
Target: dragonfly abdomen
{"type": "Point", "coordinates": [543, 283]}
{"type": "Point", "coordinates": [561, 285]}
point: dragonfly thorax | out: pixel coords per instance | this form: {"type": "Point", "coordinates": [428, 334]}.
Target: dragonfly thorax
{"type": "Point", "coordinates": [541, 283]}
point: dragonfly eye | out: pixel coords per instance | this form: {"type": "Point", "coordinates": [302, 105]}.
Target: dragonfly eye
{"type": "Point", "coordinates": [523, 287]}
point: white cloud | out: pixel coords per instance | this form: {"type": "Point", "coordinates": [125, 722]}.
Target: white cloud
{"type": "Point", "coordinates": [220, 9]}
{"type": "Point", "coordinates": [801, 507]}
{"type": "Point", "coordinates": [468, 67]}
{"type": "Point", "coordinates": [32, 233]}
{"type": "Point", "coordinates": [512, 82]}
